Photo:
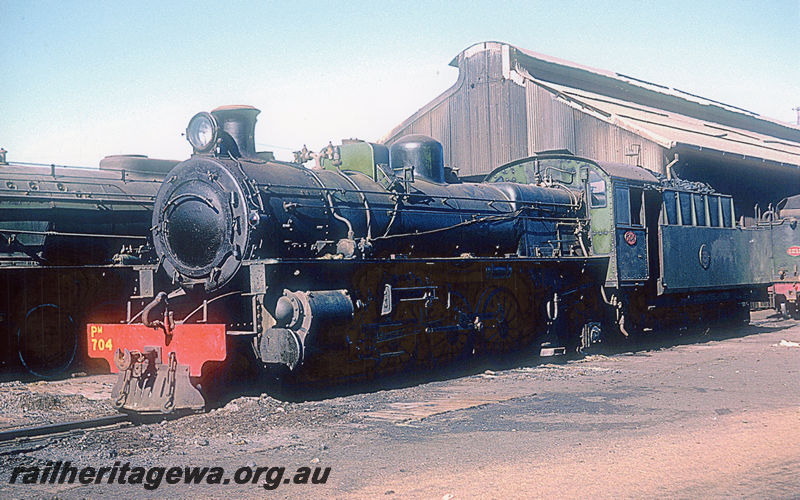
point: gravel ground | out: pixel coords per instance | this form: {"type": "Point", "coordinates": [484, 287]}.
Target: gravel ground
{"type": "Point", "coordinates": [709, 414]}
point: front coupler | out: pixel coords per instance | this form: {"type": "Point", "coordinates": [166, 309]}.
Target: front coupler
{"type": "Point", "coordinates": [147, 385]}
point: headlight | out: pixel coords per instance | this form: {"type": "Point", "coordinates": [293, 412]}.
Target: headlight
{"type": "Point", "coordinates": [202, 132]}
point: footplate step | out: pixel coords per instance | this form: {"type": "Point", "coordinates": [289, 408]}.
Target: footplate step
{"type": "Point", "coordinates": [552, 351]}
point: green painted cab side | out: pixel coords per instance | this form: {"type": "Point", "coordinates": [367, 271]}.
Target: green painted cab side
{"type": "Point", "coordinates": [562, 169]}
{"type": "Point", "coordinates": [601, 213]}
{"type": "Point", "coordinates": [629, 262]}
{"type": "Point", "coordinates": [578, 174]}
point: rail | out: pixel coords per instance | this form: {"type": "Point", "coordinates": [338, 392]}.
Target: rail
{"type": "Point", "coordinates": [39, 431]}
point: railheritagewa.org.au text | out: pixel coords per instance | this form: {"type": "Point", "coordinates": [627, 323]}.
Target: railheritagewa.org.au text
{"type": "Point", "coordinates": [152, 478]}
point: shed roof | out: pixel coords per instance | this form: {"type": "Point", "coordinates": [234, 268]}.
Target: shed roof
{"type": "Point", "coordinates": [670, 117]}
{"type": "Point", "coordinates": [673, 129]}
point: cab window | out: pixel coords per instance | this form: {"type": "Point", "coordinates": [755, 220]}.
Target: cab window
{"type": "Point", "coordinates": [622, 206]}
{"type": "Point", "coordinates": [597, 190]}
{"type": "Point", "coordinates": [636, 206]}
{"type": "Point", "coordinates": [628, 206]}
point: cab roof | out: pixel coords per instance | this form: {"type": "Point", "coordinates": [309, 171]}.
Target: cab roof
{"type": "Point", "coordinates": [629, 172]}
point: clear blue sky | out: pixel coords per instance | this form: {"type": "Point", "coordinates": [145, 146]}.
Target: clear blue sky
{"type": "Point", "coordinates": [81, 80]}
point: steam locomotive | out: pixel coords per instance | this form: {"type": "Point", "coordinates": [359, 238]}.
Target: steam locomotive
{"type": "Point", "coordinates": [67, 236]}
{"type": "Point", "coordinates": [382, 259]}
{"type": "Point", "coordinates": [785, 247]}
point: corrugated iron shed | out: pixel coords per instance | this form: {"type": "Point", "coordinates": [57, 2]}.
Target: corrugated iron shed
{"type": "Point", "coordinates": [509, 102]}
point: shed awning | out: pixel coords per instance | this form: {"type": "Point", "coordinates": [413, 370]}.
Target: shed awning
{"type": "Point", "coordinates": [670, 117]}
{"type": "Point", "coordinates": [673, 130]}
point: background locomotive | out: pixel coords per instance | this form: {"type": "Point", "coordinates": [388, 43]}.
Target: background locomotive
{"type": "Point", "coordinates": [382, 259]}
{"type": "Point", "coordinates": [783, 223]}
{"type": "Point", "coordinates": [67, 235]}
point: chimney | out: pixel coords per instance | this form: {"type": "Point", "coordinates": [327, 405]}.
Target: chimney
{"type": "Point", "coordinates": [240, 123]}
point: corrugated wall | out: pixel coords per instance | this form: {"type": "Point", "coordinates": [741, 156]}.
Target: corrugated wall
{"type": "Point", "coordinates": [482, 123]}
{"type": "Point", "coordinates": [554, 124]}
{"type": "Point", "coordinates": [486, 120]}
{"type": "Point", "coordinates": [551, 123]}
{"type": "Point", "coordinates": [602, 141]}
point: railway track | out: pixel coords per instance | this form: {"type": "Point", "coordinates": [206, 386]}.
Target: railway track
{"type": "Point", "coordinates": [23, 439]}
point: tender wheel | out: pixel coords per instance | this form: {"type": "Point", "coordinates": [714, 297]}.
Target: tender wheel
{"type": "Point", "coordinates": [47, 341]}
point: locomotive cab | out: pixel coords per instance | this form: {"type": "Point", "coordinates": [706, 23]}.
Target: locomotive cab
{"type": "Point", "coordinates": [620, 205]}
{"type": "Point", "coordinates": [618, 200]}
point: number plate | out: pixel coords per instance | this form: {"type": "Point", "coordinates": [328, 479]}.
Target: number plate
{"type": "Point", "coordinates": [193, 345]}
